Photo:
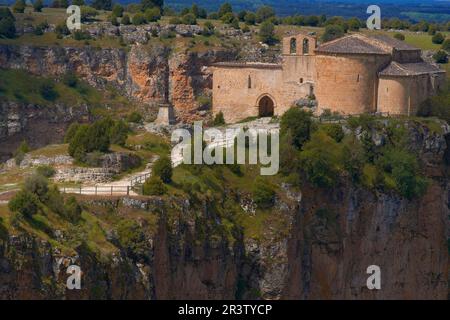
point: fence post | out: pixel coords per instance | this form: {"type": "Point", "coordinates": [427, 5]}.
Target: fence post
{"type": "Point", "coordinates": [95, 189]}
{"type": "Point", "coordinates": [128, 190]}
{"type": "Point", "coordinates": [111, 190]}
{"type": "Point", "coordinates": [80, 189]}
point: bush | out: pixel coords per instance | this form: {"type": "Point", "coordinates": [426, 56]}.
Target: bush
{"type": "Point", "coordinates": [45, 171]}
{"type": "Point", "coordinates": [80, 35]}
{"type": "Point", "coordinates": [20, 152]}
{"type": "Point", "coordinates": [7, 28]}
{"type": "Point", "coordinates": [70, 79]}
{"type": "Point", "coordinates": [118, 133]}
{"type": "Point", "coordinates": [117, 10]}
{"type": "Point", "coordinates": [132, 239]}
{"type": "Point", "coordinates": [71, 131]}
{"type": "Point", "coordinates": [320, 160]}
{"type": "Point", "coordinates": [38, 5]}
{"type": "Point", "coordinates": [125, 19]}
{"type": "Point", "coordinates": [154, 187]}
{"type": "Point", "coordinates": [298, 123]}
{"type": "Point", "coordinates": [263, 193]}
{"type": "Point", "coordinates": [47, 90]}
{"type": "Point", "coordinates": [139, 19]}
{"type": "Point", "coordinates": [175, 20]}
{"type": "Point", "coordinates": [189, 19]}
{"type": "Point", "coordinates": [250, 18]}
{"type": "Point", "coordinates": [87, 13]}
{"type": "Point", "coordinates": [25, 203]}
{"type": "Point", "coordinates": [208, 29]}
{"type": "Point", "coordinates": [334, 131]}
{"type": "Point", "coordinates": [404, 168]}
{"type": "Point", "coordinates": [153, 14]}
{"type": "Point", "coordinates": [72, 210]}
{"type": "Point", "coordinates": [218, 119]}
{"type": "Point", "coordinates": [267, 32]}
{"type": "Point", "coordinates": [163, 169]}
{"type": "Point", "coordinates": [438, 38]}
{"type": "Point", "coordinates": [19, 6]}
{"type": "Point", "coordinates": [332, 32]}
{"type": "Point", "coordinates": [399, 36]}
{"type": "Point", "coordinates": [134, 117]}
{"type": "Point", "coordinates": [446, 45]}
{"type": "Point", "coordinates": [62, 30]}
{"type": "Point", "coordinates": [440, 57]}
{"type": "Point", "coordinates": [36, 184]}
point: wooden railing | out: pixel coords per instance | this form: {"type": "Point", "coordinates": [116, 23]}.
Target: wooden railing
{"type": "Point", "coordinates": [140, 179]}
{"type": "Point", "coordinates": [98, 190]}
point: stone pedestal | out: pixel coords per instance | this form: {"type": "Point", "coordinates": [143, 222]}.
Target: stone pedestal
{"type": "Point", "coordinates": [165, 115]}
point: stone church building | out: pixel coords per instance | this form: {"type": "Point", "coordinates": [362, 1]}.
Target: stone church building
{"type": "Point", "coordinates": [351, 75]}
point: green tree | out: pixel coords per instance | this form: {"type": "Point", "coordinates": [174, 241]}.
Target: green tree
{"type": "Point", "coordinates": [299, 124]}
{"type": "Point", "coordinates": [36, 184]}
{"type": "Point", "coordinates": [38, 5]}
{"type": "Point", "coordinates": [263, 193]}
{"type": "Point", "coordinates": [154, 187]}
{"type": "Point", "coordinates": [139, 19]}
{"type": "Point", "coordinates": [25, 203]}
{"type": "Point", "coordinates": [125, 19]}
{"type": "Point", "coordinates": [87, 13]}
{"type": "Point", "coordinates": [332, 32]}
{"type": "Point", "coordinates": [7, 28]}
{"type": "Point", "coordinates": [208, 29]}
{"type": "Point", "coordinates": [153, 14]}
{"type": "Point", "coordinates": [189, 19]}
{"type": "Point", "coordinates": [399, 36]}
{"type": "Point", "coordinates": [102, 4]}
{"type": "Point", "coordinates": [267, 32]}
{"type": "Point", "coordinates": [224, 9]}
{"type": "Point", "coordinates": [440, 57]}
{"type": "Point", "coordinates": [19, 6]}
{"type": "Point", "coordinates": [354, 24]}
{"type": "Point", "coordinates": [119, 133]}
{"type": "Point", "coordinates": [218, 119]}
{"type": "Point", "coordinates": [78, 2]}
{"type": "Point", "coordinates": [162, 168]}
{"type": "Point", "coordinates": [47, 90]}
{"type": "Point", "coordinates": [263, 13]}
{"type": "Point", "coordinates": [147, 4]}
{"type": "Point", "coordinates": [117, 10]}
{"type": "Point", "coordinates": [438, 38]}
{"type": "Point", "coordinates": [446, 45]}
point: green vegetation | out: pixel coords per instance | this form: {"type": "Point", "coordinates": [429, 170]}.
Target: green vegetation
{"type": "Point", "coordinates": [154, 187]}
{"type": "Point", "coordinates": [162, 168]}
{"type": "Point", "coordinates": [263, 193]}
{"type": "Point", "coordinates": [441, 57]}
{"type": "Point", "coordinates": [332, 32]}
{"type": "Point", "coordinates": [7, 26]}
{"type": "Point", "coordinates": [19, 154]}
{"type": "Point", "coordinates": [218, 119]}
{"type": "Point", "coordinates": [266, 33]}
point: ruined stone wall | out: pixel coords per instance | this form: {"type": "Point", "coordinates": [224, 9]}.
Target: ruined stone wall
{"type": "Point", "coordinates": [348, 84]}
{"type": "Point", "coordinates": [237, 91]}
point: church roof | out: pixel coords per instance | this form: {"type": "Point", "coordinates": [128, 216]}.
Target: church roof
{"type": "Point", "coordinates": [352, 44]}
{"type": "Point", "coordinates": [394, 43]}
{"type": "Point", "coordinates": [409, 69]}
{"type": "Point", "coordinates": [361, 44]}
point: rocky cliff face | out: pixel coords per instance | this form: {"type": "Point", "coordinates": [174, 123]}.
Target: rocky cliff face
{"type": "Point", "coordinates": [149, 74]}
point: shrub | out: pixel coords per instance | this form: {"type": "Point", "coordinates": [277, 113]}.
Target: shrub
{"type": "Point", "coordinates": [132, 239]}
{"type": "Point", "coordinates": [117, 10]}
{"type": "Point", "coordinates": [299, 124]}
{"type": "Point", "coordinates": [263, 193]}
{"type": "Point", "coordinates": [139, 19]}
{"type": "Point", "coordinates": [118, 133]}
{"type": "Point", "coordinates": [55, 201]}
{"type": "Point", "coordinates": [45, 171]}
{"type": "Point", "coordinates": [440, 57]}
{"type": "Point", "coordinates": [62, 30]}
{"type": "Point", "coordinates": [134, 117]}
{"type": "Point", "coordinates": [71, 131]}
{"type": "Point", "coordinates": [20, 152]}
{"type": "Point", "coordinates": [446, 45]}
{"type": "Point", "coordinates": [70, 79]}
{"type": "Point", "coordinates": [208, 29]}
{"type": "Point", "coordinates": [250, 18]}
{"type": "Point", "coordinates": [47, 90]}
{"type": "Point", "coordinates": [72, 210]}
{"type": "Point", "coordinates": [334, 130]}
{"type": "Point", "coordinates": [25, 203]}
{"type": "Point", "coordinates": [153, 14]}
{"type": "Point", "coordinates": [438, 38]}
{"type": "Point", "coordinates": [175, 20]}
{"type": "Point", "coordinates": [36, 184]}
{"type": "Point", "coordinates": [125, 19]}
{"type": "Point", "coordinates": [332, 32]}
{"type": "Point", "coordinates": [399, 36]}
{"type": "Point", "coordinates": [267, 32]}
{"type": "Point", "coordinates": [218, 119]}
{"type": "Point", "coordinates": [189, 19]}
{"type": "Point", "coordinates": [7, 28]}
{"type": "Point", "coordinates": [19, 6]}
{"type": "Point", "coordinates": [38, 5]}
{"type": "Point", "coordinates": [154, 187]}
{"type": "Point", "coordinates": [87, 13]}
{"type": "Point", "coordinates": [320, 160]}
{"type": "Point", "coordinates": [80, 35]}
{"type": "Point", "coordinates": [163, 169]}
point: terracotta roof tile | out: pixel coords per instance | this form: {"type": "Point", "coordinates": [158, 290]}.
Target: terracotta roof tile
{"type": "Point", "coordinates": [409, 69]}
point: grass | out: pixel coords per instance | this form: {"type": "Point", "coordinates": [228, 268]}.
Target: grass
{"type": "Point", "coordinates": [51, 150]}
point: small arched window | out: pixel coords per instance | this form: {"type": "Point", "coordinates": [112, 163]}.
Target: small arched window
{"type": "Point", "coordinates": [293, 46]}
{"type": "Point", "coordinates": [249, 82]}
{"type": "Point", "coordinates": [357, 79]}
{"type": "Point", "coordinates": [305, 46]}
{"type": "Point", "coordinates": [301, 80]}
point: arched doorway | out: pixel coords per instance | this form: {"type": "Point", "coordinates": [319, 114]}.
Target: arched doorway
{"type": "Point", "coordinates": [265, 107]}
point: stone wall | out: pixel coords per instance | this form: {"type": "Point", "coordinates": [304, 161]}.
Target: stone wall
{"type": "Point", "coordinates": [348, 84]}
{"type": "Point", "coordinates": [238, 90]}
{"type": "Point", "coordinates": [299, 68]}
